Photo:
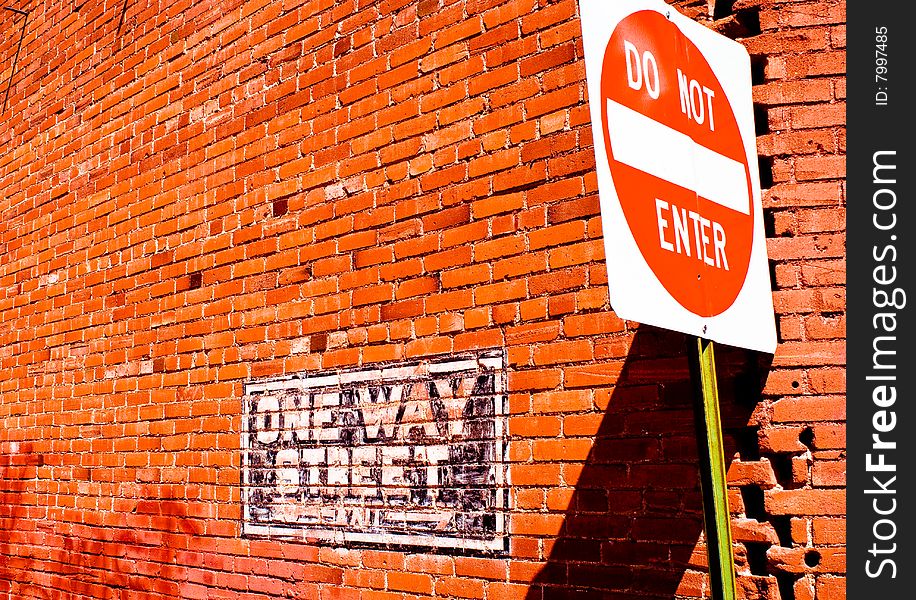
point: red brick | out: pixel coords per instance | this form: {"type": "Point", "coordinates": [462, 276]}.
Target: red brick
{"type": "Point", "coordinates": [806, 502]}
{"type": "Point", "coordinates": [803, 194]}
{"type": "Point", "coordinates": [831, 587]}
{"type": "Point", "coordinates": [829, 531]}
{"type": "Point", "coordinates": [829, 474]}
{"type": "Point", "coordinates": [534, 332]}
{"type": "Point", "coordinates": [563, 352]}
{"type": "Point", "coordinates": [806, 141]}
{"type": "Point", "coordinates": [806, 409]}
{"type": "Point", "coordinates": [751, 473]}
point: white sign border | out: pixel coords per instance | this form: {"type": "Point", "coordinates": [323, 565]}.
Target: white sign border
{"type": "Point", "coordinates": [487, 361]}
{"type": "Point", "coordinates": [636, 293]}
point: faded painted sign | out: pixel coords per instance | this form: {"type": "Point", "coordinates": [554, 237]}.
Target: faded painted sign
{"type": "Point", "coordinates": [409, 454]}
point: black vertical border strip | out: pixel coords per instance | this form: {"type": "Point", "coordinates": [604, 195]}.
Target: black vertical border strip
{"type": "Point", "coordinates": [876, 134]}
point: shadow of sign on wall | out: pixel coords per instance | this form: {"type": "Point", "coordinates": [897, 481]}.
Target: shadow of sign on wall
{"type": "Point", "coordinates": [407, 454]}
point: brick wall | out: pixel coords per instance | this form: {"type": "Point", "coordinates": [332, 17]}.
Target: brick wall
{"type": "Point", "coordinates": [201, 195]}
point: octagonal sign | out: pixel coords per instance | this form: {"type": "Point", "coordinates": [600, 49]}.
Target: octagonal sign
{"type": "Point", "coordinates": [677, 172]}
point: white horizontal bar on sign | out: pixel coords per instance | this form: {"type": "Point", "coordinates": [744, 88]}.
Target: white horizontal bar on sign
{"type": "Point", "coordinates": [668, 154]}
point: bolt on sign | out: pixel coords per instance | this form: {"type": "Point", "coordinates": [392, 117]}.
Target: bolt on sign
{"type": "Point", "coordinates": [679, 187]}
{"type": "Point", "coordinates": [409, 454]}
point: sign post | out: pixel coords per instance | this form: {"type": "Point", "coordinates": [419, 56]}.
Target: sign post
{"type": "Point", "coordinates": [676, 161]}
{"type": "Point", "coordinates": [712, 469]}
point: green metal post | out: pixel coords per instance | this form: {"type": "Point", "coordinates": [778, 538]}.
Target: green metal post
{"type": "Point", "coordinates": [712, 471]}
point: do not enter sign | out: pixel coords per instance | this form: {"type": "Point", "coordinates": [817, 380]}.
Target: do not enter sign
{"type": "Point", "coordinates": [677, 173]}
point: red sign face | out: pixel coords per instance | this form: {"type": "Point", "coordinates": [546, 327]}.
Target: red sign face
{"type": "Point", "coordinates": [678, 162]}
